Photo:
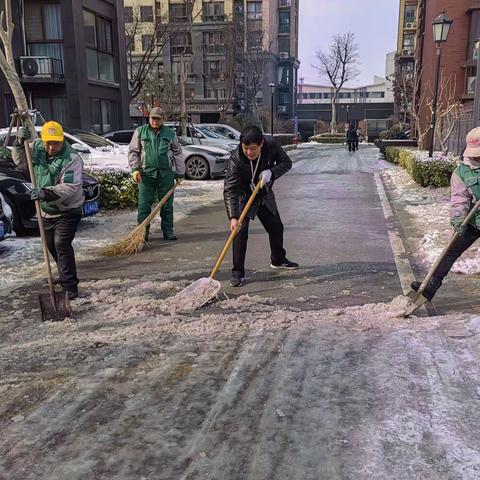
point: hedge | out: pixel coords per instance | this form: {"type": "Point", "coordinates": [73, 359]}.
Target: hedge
{"type": "Point", "coordinates": [426, 172]}
{"type": "Point", "coordinates": [328, 138]}
{"type": "Point", "coordinates": [118, 189]}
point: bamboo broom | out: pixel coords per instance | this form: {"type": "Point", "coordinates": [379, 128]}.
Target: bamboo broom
{"type": "Point", "coordinates": [134, 242]}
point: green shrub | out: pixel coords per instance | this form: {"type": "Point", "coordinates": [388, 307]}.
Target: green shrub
{"type": "Point", "coordinates": [118, 189]}
{"type": "Point", "coordinates": [328, 138]}
{"type": "Point", "coordinates": [397, 132]}
{"type": "Point", "coordinates": [426, 172]}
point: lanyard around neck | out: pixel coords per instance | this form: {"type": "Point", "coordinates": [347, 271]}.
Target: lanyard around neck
{"type": "Point", "coordinates": [254, 172]}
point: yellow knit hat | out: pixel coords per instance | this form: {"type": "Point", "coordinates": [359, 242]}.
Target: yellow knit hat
{"type": "Point", "coordinates": [52, 132]}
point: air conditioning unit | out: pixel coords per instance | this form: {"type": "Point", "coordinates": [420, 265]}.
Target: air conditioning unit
{"type": "Point", "coordinates": [239, 9]}
{"type": "Point", "coordinates": [282, 109]}
{"type": "Point", "coordinates": [283, 55]}
{"type": "Point", "coordinates": [411, 25]}
{"type": "Point", "coordinates": [407, 52]}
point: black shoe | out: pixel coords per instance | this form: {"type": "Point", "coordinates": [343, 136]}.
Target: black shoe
{"type": "Point", "coordinates": [287, 265]}
{"type": "Point", "coordinates": [169, 236]}
{"type": "Point", "coordinates": [72, 294]}
{"type": "Point", "coordinates": [429, 291]}
{"type": "Point", "coordinates": [237, 281]}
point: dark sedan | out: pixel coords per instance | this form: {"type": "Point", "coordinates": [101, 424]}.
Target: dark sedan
{"type": "Point", "coordinates": [16, 190]}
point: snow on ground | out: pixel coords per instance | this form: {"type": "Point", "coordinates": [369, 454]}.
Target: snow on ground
{"type": "Point", "coordinates": [21, 258]}
{"type": "Point", "coordinates": [429, 211]}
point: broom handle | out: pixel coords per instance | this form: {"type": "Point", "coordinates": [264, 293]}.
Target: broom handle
{"type": "Point", "coordinates": [234, 233]}
{"type": "Point", "coordinates": [159, 205]}
{"type": "Point", "coordinates": [447, 248]}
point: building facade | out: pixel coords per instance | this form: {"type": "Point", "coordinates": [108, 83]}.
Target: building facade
{"type": "Point", "coordinates": [70, 56]}
{"type": "Point", "coordinates": [416, 54]}
{"type": "Point", "coordinates": [233, 50]}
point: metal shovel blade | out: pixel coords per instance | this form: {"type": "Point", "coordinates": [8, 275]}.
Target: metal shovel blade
{"type": "Point", "coordinates": [417, 300]}
{"type": "Point", "coordinates": [197, 294]}
{"type": "Point", "coordinates": [54, 307]}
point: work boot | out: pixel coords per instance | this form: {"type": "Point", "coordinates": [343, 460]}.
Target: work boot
{"type": "Point", "coordinates": [429, 291]}
{"type": "Point", "coordinates": [169, 236]}
{"type": "Point", "coordinates": [72, 294]}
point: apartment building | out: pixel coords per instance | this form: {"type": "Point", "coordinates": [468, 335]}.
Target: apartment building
{"type": "Point", "coordinates": [70, 56]}
{"type": "Point", "coordinates": [228, 43]}
{"type": "Point", "coordinates": [416, 51]}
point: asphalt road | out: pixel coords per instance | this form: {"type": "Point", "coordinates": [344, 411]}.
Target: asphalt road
{"type": "Point", "coordinates": [276, 389]}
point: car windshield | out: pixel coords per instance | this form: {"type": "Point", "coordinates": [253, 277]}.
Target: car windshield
{"type": "Point", "coordinates": [207, 132]}
{"type": "Point", "coordinates": [91, 139]}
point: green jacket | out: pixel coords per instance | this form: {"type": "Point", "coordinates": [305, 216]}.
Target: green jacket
{"type": "Point", "coordinates": [151, 152]}
{"type": "Point", "coordinates": [61, 174]}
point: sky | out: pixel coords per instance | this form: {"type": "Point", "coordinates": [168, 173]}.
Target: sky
{"type": "Point", "coordinates": [374, 23]}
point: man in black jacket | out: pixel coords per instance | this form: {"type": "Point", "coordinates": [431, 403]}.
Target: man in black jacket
{"type": "Point", "coordinates": [256, 160]}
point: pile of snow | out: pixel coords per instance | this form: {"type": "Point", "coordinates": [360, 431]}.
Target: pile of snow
{"type": "Point", "coordinates": [429, 210]}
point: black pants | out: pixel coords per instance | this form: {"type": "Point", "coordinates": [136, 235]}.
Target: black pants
{"type": "Point", "coordinates": [352, 145]}
{"type": "Point", "coordinates": [461, 244]}
{"type": "Point", "coordinates": [60, 232]}
{"type": "Point", "coordinates": [274, 227]}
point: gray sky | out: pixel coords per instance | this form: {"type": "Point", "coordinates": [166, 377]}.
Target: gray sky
{"type": "Point", "coordinates": [374, 23]}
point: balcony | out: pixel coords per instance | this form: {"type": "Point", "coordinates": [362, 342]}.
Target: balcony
{"type": "Point", "coordinates": [40, 69]}
{"type": "Point", "coordinates": [285, 3]}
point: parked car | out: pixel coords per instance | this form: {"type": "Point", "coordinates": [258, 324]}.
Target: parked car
{"type": "Point", "coordinates": [16, 191]}
{"type": "Point", "coordinates": [201, 161]}
{"type": "Point", "coordinates": [6, 218]}
{"type": "Point", "coordinates": [203, 136]}
{"type": "Point", "coordinates": [221, 129]}
{"type": "Point", "coordinates": [94, 149]}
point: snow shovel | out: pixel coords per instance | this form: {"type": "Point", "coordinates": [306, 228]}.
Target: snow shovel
{"type": "Point", "coordinates": [205, 289]}
{"type": "Point", "coordinates": [417, 299]}
{"type": "Point", "coordinates": [54, 305]}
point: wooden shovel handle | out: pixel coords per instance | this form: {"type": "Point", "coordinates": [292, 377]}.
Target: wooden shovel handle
{"type": "Point", "coordinates": [234, 233]}
{"type": "Point", "coordinates": [41, 226]}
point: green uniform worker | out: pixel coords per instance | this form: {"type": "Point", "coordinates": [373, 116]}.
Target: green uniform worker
{"type": "Point", "coordinates": [156, 160]}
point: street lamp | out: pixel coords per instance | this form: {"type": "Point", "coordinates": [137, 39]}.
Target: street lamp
{"type": "Point", "coordinates": [271, 86]}
{"type": "Point", "coordinates": [441, 28]}
{"type": "Point", "coordinates": [476, 103]}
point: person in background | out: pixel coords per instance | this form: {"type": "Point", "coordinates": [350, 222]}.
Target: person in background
{"type": "Point", "coordinates": [155, 157]}
{"type": "Point", "coordinates": [352, 138]}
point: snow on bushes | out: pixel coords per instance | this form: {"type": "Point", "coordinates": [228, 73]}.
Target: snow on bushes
{"type": "Point", "coordinates": [329, 138]}
{"type": "Point", "coordinates": [434, 172]}
{"type": "Point", "coordinates": [118, 189]}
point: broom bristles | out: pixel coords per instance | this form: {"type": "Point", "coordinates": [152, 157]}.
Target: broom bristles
{"type": "Point", "coordinates": [134, 241]}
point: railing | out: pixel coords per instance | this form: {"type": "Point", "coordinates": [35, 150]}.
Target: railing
{"type": "Point", "coordinates": [41, 67]}
{"type": "Point", "coordinates": [285, 3]}
{"type": "Point", "coordinates": [213, 18]}
{"type": "Point", "coordinates": [209, 48]}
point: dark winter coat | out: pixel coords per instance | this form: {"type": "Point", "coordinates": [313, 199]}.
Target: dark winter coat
{"type": "Point", "coordinates": [352, 135]}
{"type": "Point", "coordinates": [238, 179]}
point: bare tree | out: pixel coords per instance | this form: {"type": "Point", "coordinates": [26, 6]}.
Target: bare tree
{"type": "Point", "coordinates": [448, 111]}
{"type": "Point", "coordinates": [140, 66]}
{"type": "Point", "coordinates": [7, 63]}
{"type": "Point", "coordinates": [338, 65]}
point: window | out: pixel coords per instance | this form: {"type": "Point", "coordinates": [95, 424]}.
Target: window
{"type": "Point", "coordinates": [147, 42]}
{"type": "Point", "coordinates": [254, 10]}
{"type": "Point", "coordinates": [99, 51]}
{"type": "Point", "coordinates": [470, 78]}
{"type": "Point", "coordinates": [175, 68]}
{"type": "Point", "coordinates": [53, 108]}
{"type": "Point", "coordinates": [410, 14]}
{"type": "Point", "coordinates": [44, 30]}
{"type": "Point", "coordinates": [146, 13]}
{"type": "Point", "coordinates": [409, 42]}
{"type": "Point", "coordinates": [213, 11]}
{"type": "Point", "coordinates": [213, 42]}
{"type": "Point", "coordinates": [177, 12]}
{"type": "Point", "coordinates": [102, 115]}
{"type": "Point", "coordinates": [284, 45]}
{"type": "Point", "coordinates": [284, 22]}
{"type": "Point", "coordinates": [214, 93]}
{"type": "Point", "coordinates": [180, 43]}
{"type": "Point", "coordinates": [474, 33]}
{"type": "Point", "coordinates": [128, 14]}
{"type": "Point", "coordinates": [214, 70]}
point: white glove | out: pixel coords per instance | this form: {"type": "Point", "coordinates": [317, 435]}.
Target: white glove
{"type": "Point", "coordinates": [265, 177]}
